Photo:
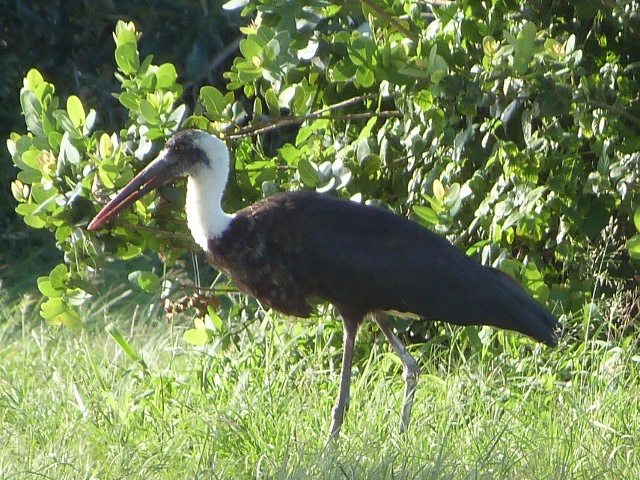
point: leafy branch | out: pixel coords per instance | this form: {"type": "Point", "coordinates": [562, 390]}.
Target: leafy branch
{"type": "Point", "coordinates": [263, 127]}
{"type": "Point", "coordinates": [617, 110]}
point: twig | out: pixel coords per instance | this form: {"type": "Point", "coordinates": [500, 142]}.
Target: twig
{"type": "Point", "coordinates": [263, 127]}
{"type": "Point", "coordinates": [164, 233]}
{"type": "Point", "coordinates": [385, 16]}
{"type": "Point", "coordinates": [614, 109]}
{"type": "Point", "coordinates": [347, 102]}
{"type": "Point", "coordinates": [285, 121]}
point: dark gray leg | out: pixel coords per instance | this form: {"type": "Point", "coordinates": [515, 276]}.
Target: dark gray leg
{"type": "Point", "coordinates": [411, 370]}
{"type": "Point", "coordinates": [349, 334]}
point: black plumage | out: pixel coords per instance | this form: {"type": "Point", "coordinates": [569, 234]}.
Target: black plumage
{"type": "Point", "coordinates": [295, 248]}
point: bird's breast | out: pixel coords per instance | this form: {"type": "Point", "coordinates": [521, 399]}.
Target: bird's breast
{"type": "Point", "coordinates": [264, 263]}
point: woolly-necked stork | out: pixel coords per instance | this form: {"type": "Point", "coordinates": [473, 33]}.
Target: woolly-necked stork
{"type": "Point", "coordinates": [294, 247]}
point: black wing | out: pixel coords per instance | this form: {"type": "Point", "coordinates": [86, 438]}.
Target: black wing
{"type": "Point", "coordinates": [367, 259]}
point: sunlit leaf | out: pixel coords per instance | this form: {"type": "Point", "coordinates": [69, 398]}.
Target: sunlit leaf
{"type": "Point", "coordinates": [76, 111]}
{"type": "Point", "coordinates": [524, 48]}
{"type": "Point", "coordinates": [213, 100]}
{"type": "Point", "coordinates": [427, 214]}
{"type": "Point", "coordinates": [198, 336]}
{"type": "Point", "coordinates": [633, 245]}
{"type": "Point", "coordinates": [235, 4]}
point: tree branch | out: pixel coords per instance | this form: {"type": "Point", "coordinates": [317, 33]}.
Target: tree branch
{"type": "Point", "coordinates": [389, 18]}
{"type": "Point", "coordinates": [262, 127]}
{"type": "Point", "coordinates": [617, 110]}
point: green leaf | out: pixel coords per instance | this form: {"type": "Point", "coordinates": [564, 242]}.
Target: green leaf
{"type": "Point", "coordinates": [289, 153]}
{"type": "Point", "coordinates": [176, 116]}
{"type": "Point", "coordinates": [149, 112]}
{"type": "Point", "coordinates": [427, 214]}
{"type": "Point", "coordinates": [472, 333]}
{"type": "Point", "coordinates": [633, 245]}
{"type": "Point", "coordinates": [52, 308]}
{"type": "Point", "coordinates": [45, 287]}
{"type": "Point", "coordinates": [59, 276]}
{"type": "Point", "coordinates": [129, 100]}
{"type": "Point", "coordinates": [308, 171]}
{"type": "Point", "coordinates": [62, 233]}
{"type": "Point", "coordinates": [438, 189]}
{"type": "Point", "coordinates": [69, 318]}
{"type": "Point", "coordinates": [510, 110]}
{"type": "Point", "coordinates": [343, 71]}
{"type": "Point", "coordinates": [68, 151]}
{"type": "Point", "coordinates": [250, 49]}
{"type": "Point", "coordinates": [303, 134]}
{"type": "Point", "coordinates": [272, 103]}
{"type": "Point", "coordinates": [34, 221]}
{"type": "Point", "coordinates": [30, 159]}
{"type": "Point", "coordinates": [213, 320]}
{"type": "Point", "coordinates": [166, 75]}
{"type": "Point", "coordinates": [524, 48]}
{"type": "Point", "coordinates": [76, 111]}
{"type": "Point", "coordinates": [127, 58]}
{"type": "Point", "coordinates": [149, 282]}
{"type": "Point", "coordinates": [198, 336]}
{"type": "Point", "coordinates": [424, 99]}
{"type": "Point", "coordinates": [33, 79]}
{"type": "Point", "coordinates": [636, 219]}
{"type": "Point", "coordinates": [371, 164]}
{"type": "Point", "coordinates": [56, 312]}
{"type": "Point", "coordinates": [67, 125]}
{"type": "Point", "coordinates": [363, 149]}
{"type": "Point", "coordinates": [365, 76]}
{"type": "Point", "coordinates": [89, 122]}
{"type": "Point", "coordinates": [32, 111]}
{"type": "Point", "coordinates": [105, 146]}
{"type": "Point", "coordinates": [25, 209]}
{"type": "Point", "coordinates": [213, 100]}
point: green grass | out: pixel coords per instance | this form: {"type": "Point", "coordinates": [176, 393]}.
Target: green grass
{"type": "Point", "coordinates": [73, 405]}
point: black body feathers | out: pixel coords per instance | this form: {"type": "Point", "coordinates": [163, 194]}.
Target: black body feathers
{"type": "Point", "coordinates": [294, 247]}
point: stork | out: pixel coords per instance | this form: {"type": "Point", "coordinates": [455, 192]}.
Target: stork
{"type": "Point", "coordinates": [293, 248]}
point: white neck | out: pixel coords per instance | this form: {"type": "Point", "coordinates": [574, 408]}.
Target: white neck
{"type": "Point", "coordinates": [205, 186]}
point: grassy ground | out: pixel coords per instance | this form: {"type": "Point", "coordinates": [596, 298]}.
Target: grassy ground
{"type": "Point", "coordinates": [75, 406]}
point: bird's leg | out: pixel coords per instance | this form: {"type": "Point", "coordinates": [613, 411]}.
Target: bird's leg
{"type": "Point", "coordinates": [349, 335]}
{"type": "Point", "coordinates": [411, 369]}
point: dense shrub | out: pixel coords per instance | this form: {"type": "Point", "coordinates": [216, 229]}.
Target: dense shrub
{"type": "Point", "coordinates": [511, 128]}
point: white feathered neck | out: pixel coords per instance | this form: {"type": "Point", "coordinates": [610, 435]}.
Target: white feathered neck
{"type": "Point", "coordinates": [205, 186]}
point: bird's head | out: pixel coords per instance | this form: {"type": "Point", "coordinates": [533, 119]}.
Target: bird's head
{"type": "Point", "coordinates": [184, 154]}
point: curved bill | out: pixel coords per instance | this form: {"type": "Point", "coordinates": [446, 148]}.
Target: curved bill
{"type": "Point", "coordinates": [152, 176]}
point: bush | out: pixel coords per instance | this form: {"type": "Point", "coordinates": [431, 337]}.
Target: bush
{"type": "Point", "coordinates": [510, 128]}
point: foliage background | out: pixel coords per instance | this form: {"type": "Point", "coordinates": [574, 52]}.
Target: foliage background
{"type": "Point", "coordinates": [71, 43]}
{"type": "Point", "coordinates": [511, 127]}
{"type": "Point", "coordinates": [255, 402]}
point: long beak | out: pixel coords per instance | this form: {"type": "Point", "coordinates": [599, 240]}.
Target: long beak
{"type": "Point", "coordinates": [152, 176]}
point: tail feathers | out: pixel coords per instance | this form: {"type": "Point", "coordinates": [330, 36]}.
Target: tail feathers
{"type": "Point", "coordinates": [526, 315]}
